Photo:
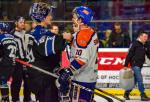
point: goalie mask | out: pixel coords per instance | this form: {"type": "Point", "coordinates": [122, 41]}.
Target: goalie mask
{"type": "Point", "coordinates": [39, 11]}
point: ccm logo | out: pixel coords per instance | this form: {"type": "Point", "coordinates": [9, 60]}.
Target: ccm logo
{"type": "Point", "coordinates": [111, 61]}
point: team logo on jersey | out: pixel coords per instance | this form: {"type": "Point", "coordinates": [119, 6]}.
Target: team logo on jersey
{"type": "Point", "coordinates": [82, 42]}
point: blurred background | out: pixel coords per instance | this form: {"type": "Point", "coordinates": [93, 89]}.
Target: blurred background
{"type": "Point", "coordinates": [104, 9]}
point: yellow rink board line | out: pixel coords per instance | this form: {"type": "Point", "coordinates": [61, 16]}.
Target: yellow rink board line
{"type": "Point", "coordinates": [116, 92]}
{"type": "Point", "coordinates": [120, 92]}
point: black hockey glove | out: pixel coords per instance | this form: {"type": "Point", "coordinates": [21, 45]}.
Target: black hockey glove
{"type": "Point", "coordinates": [64, 80]}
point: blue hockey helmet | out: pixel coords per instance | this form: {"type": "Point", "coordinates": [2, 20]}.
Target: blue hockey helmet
{"type": "Point", "coordinates": [85, 13]}
{"type": "Point", "coordinates": [39, 11]}
{"type": "Point", "coordinates": [4, 27]}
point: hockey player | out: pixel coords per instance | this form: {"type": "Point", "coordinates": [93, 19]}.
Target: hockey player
{"type": "Point", "coordinates": [7, 59]}
{"type": "Point", "coordinates": [44, 46]}
{"type": "Point", "coordinates": [20, 72]}
{"type": "Point", "coordinates": [83, 58]}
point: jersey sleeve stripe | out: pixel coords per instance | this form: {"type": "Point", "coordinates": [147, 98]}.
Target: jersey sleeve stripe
{"type": "Point", "coordinates": [46, 53]}
{"type": "Point", "coordinates": [53, 44]}
{"type": "Point", "coordinates": [49, 47]}
{"type": "Point", "coordinates": [80, 62]}
{"type": "Point", "coordinates": [76, 64]}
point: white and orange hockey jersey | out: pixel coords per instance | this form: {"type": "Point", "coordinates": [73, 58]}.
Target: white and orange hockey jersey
{"type": "Point", "coordinates": [83, 55]}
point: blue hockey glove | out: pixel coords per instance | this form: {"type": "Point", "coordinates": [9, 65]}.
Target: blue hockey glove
{"type": "Point", "coordinates": [64, 80]}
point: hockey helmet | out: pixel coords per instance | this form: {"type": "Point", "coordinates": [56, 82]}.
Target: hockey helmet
{"type": "Point", "coordinates": [39, 11]}
{"type": "Point", "coordinates": [4, 27]}
{"type": "Point", "coordinates": [85, 13]}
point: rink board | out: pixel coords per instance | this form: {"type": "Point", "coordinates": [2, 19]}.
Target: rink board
{"type": "Point", "coordinates": [110, 61]}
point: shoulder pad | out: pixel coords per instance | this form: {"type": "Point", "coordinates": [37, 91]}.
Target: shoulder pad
{"type": "Point", "coordinates": [84, 37]}
{"type": "Point", "coordinates": [9, 36]}
{"type": "Point", "coordinates": [6, 36]}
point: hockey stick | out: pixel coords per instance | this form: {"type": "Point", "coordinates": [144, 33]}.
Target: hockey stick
{"type": "Point", "coordinates": [54, 75]}
{"type": "Point", "coordinates": [113, 96]}
{"type": "Point", "coordinates": [35, 67]}
{"type": "Point", "coordinates": [103, 96]}
{"type": "Point", "coordinates": [49, 73]}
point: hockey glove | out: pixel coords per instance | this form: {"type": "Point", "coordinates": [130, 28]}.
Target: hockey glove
{"type": "Point", "coordinates": [64, 80]}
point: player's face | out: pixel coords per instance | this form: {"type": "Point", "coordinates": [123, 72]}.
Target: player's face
{"type": "Point", "coordinates": [75, 28]}
{"type": "Point", "coordinates": [34, 24]}
{"type": "Point", "coordinates": [48, 19]}
{"type": "Point", "coordinates": [75, 19]}
{"type": "Point", "coordinates": [21, 25]}
{"type": "Point", "coordinates": [55, 29]}
{"type": "Point", "coordinates": [76, 22]}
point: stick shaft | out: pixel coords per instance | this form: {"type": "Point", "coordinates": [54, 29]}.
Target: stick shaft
{"type": "Point", "coordinates": [37, 68]}
{"type": "Point", "coordinates": [113, 96]}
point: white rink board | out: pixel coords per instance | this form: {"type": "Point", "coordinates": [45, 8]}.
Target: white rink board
{"type": "Point", "coordinates": [113, 76]}
{"type": "Point", "coordinates": [108, 76]}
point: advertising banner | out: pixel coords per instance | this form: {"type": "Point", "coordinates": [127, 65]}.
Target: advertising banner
{"type": "Point", "coordinates": [110, 61]}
